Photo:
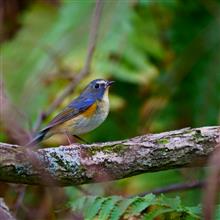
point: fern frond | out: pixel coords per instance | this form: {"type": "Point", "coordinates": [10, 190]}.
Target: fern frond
{"type": "Point", "coordinates": [156, 212]}
{"type": "Point", "coordinates": [78, 204]}
{"type": "Point", "coordinates": [148, 207]}
{"type": "Point", "coordinates": [140, 204]}
{"type": "Point", "coordinates": [108, 206]}
{"type": "Point", "coordinates": [93, 210]}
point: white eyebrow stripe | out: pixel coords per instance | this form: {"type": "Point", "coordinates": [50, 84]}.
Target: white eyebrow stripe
{"type": "Point", "coordinates": [101, 82]}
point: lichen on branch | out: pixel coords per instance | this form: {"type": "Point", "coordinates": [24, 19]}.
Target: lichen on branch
{"type": "Point", "coordinates": [79, 163]}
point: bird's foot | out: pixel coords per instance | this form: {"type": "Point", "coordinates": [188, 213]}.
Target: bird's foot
{"type": "Point", "coordinates": [79, 138]}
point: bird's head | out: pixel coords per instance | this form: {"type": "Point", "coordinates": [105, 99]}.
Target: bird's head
{"type": "Point", "coordinates": [97, 88]}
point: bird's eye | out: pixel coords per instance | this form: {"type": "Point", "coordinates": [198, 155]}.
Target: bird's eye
{"type": "Point", "coordinates": [97, 86]}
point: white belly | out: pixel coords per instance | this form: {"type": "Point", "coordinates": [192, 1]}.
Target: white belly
{"type": "Point", "coordinates": [85, 124]}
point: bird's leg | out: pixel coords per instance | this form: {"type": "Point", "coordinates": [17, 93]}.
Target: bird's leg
{"type": "Point", "coordinates": [79, 138]}
{"type": "Point", "coordinates": [69, 137]}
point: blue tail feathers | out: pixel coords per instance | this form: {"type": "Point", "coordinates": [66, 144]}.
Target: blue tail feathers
{"type": "Point", "coordinates": [38, 138]}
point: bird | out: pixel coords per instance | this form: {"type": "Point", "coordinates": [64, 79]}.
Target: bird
{"type": "Point", "coordinates": [84, 114]}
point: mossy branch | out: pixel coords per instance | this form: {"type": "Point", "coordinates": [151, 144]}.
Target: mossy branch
{"type": "Point", "coordinates": [78, 164]}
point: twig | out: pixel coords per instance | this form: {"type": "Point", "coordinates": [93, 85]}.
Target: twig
{"type": "Point", "coordinates": [212, 188]}
{"type": "Point", "coordinates": [85, 70]}
{"type": "Point", "coordinates": [4, 211]}
{"type": "Point", "coordinates": [38, 166]}
{"type": "Point", "coordinates": [175, 187]}
{"type": "Point", "coordinates": [91, 48]}
{"type": "Point", "coordinates": [11, 115]}
{"type": "Point", "coordinates": [19, 199]}
{"type": "Point", "coordinates": [82, 190]}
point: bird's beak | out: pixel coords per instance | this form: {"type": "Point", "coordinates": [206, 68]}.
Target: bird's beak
{"type": "Point", "coordinates": [110, 83]}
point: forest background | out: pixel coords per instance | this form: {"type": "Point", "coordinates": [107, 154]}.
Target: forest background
{"type": "Point", "coordinates": [164, 57]}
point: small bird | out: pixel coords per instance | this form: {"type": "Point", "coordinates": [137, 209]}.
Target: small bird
{"type": "Point", "coordinates": [83, 114]}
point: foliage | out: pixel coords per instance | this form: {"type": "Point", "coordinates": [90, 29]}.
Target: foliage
{"type": "Point", "coordinates": [164, 57]}
{"type": "Point", "coordinates": [148, 207]}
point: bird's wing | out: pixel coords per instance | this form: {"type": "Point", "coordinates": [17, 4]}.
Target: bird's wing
{"type": "Point", "coordinates": [75, 108]}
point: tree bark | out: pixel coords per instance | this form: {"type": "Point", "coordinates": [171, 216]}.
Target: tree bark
{"type": "Point", "coordinates": [79, 163]}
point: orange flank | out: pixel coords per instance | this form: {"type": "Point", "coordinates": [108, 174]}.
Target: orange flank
{"type": "Point", "coordinates": [90, 111]}
{"type": "Point", "coordinates": [63, 127]}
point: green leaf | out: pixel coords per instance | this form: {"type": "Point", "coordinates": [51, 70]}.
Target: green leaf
{"type": "Point", "coordinates": [108, 206]}
{"type": "Point", "coordinates": [174, 203]}
{"type": "Point", "coordinates": [121, 208]}
{"type": "Point", "coordinates": [78, 204]}
{"type": "Point", "coordinates": [217, 212]}
{"type": "Point", "coordinates": [194, 212]}
{"type": "Point", "coordinates": [94, 208]}
{"type": "Point", "coordinates": [140, 204]}
{"type": "Point", "coordinates": [157, 212]}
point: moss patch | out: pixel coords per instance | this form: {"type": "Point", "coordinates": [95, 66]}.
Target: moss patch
{"type": "Point", "coordinates": [162, 141]}
{"type": "Point", "coordinates": [198, 136]}
{"type": "Point", "coordinates": [118, 149]}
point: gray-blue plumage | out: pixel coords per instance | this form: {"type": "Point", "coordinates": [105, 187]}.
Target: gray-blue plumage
{"type": "Point", "coordinates": [83, 114]}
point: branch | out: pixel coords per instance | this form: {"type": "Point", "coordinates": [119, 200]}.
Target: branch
{"type": "Point", "coordinates": [175, 187]}
{"type": "Point", "coordinates": [93, 35]}
{"type": "Point", "coordinates": [212, 189]}
{"type": "Point", "coordinates": [78, 164]}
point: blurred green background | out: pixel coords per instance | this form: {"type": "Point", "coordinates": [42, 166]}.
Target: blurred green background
{"type": "Point", "coordinates": [163, 55]}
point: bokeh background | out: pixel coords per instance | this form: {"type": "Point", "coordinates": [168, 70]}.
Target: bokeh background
{"type": "Point", "coordinates": [163, 55]}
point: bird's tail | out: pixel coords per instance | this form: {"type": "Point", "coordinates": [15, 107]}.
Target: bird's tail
{"type": "Point", "coordinates": [38, 138]}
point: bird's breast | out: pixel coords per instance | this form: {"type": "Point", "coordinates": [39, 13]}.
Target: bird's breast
{"type": "Point", "coordinates": [90, 119]}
